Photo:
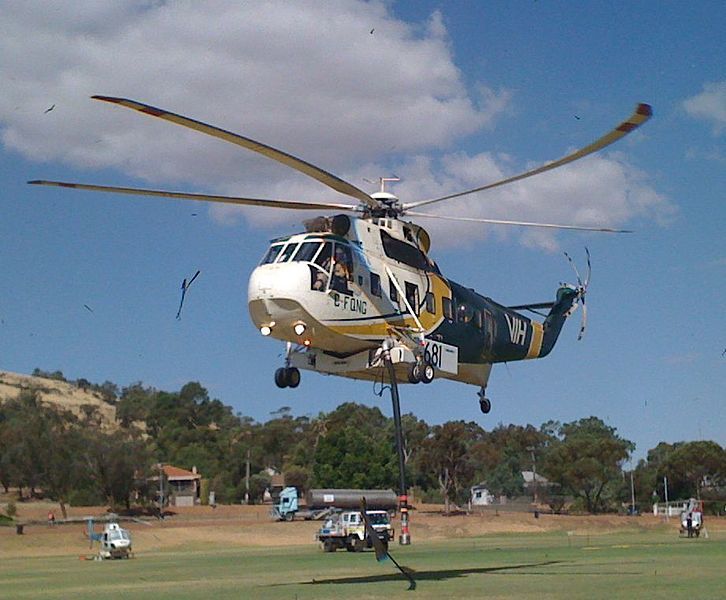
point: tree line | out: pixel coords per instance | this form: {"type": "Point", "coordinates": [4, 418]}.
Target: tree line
{"type": "Point", "coordinates": [47, 451]}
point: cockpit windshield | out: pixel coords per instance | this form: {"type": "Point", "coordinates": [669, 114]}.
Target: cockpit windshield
{"type": "Point", "coordinates": [306, 252]}
{"type": "Point", "coordinates": [117, 534]}
{"type": "Point", "coordinates": [271, 254]}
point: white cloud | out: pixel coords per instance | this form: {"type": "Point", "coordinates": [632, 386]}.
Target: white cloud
{"type": "Point", "coordinates": [709, 105]}
{"type": "Point", "coordinates": [307, 77]}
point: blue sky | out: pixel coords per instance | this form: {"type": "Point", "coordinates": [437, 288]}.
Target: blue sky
{"type": "Point", "coordinates": [448, 96]}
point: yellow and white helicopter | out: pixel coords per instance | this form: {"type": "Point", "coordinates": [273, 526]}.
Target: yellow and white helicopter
{"type": "Point", "coordinates": [352, 286]}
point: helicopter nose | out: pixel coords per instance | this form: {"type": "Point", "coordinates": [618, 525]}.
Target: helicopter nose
{"type": "Point", "coordinates": [277, 297]}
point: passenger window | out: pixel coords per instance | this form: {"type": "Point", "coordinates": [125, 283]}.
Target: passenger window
{"type": "Point", "coordinates": [271, 254]}
{"type": "Point", "coordinates": [376, 285]}
{"type": "Point", "coordinates": [464, 313]}
{"type": "Point", "coordinates": [287, 253]}
{"type": "Point", "coordinates": [412, 296]}
{"type": "Point", "coordinates": [392, 291]}
{"type": "Point", "coordinates": [430, 303]}
{"type": "Point", "coordinates": [447, 308]}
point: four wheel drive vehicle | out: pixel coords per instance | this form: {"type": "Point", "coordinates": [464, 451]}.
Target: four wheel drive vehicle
{"type": "Point", "coordinates": [347, 530]}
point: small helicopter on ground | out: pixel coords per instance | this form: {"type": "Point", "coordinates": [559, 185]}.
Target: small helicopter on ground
{"type": "Point", "coordinates": [350, 287]}
{"type": "Point", "coordinates": [114, 541]}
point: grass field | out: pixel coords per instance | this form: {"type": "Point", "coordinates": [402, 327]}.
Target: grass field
{"type": "Point", "coordinates": [626, 564]}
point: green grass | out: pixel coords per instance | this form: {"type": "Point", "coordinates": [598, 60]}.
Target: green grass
{"type": "Point", "coordinates": [553, 565]}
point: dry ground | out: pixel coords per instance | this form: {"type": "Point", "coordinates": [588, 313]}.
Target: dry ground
{"type": "Point", "coordinates": [250, 526]}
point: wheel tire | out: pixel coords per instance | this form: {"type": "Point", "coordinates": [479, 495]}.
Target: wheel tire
{"type": "Point", "coordinates": [358, 544]}
{"type": "Point", "coordinates": [427, 373]}
{"type": "Point", "coordinates": [413, 374]}
{"type": "Point", "coordinates": [290, 516]}
{"type": "Point", "coordinates": [329, 546]}
{"type": "Point", "coordinates": [485, 405]}
{"type": "Point", "coordinates": [281, 378]}
{"type": "Point", "coordinates": [292, 377]}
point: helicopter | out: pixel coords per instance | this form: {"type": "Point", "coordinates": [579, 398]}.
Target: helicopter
{"type": "Point", "coordinates": [114, 541]}
{"type": "Point", "coordinates": [360, 283]}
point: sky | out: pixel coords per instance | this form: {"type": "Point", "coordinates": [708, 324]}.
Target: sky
{"type": "Point", "coordinates": [447, 96]}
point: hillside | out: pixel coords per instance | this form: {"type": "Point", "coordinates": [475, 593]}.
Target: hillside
{"type": "Point", "coordinates": [58, 393]}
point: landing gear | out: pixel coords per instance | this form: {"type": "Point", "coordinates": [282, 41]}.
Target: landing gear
{"type": "Point", "coordinates": [485, 404]}
{"type": "Point", "coordinates": [287, 377]}
{"type": "Point", "coordinates": [421, 372]}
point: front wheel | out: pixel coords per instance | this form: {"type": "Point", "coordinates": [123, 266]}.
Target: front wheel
{"type": "Point", "coordinates": [485, 405]}
{"type": "Point", "coordinates": [427, 373]}
{"type": "Point", "coordinates": [281, 378]}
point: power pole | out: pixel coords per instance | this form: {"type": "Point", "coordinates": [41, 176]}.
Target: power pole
{"type": "Point", "coordinates": [247, 478]}
{"type": "Point", "coordinates": [632, 494]}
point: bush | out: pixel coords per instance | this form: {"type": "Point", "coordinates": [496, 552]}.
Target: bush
{"type": "Point", "coordinates": [11, 509]}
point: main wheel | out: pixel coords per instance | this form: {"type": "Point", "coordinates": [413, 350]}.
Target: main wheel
{"type": "Point", "coordinates": [414, 373]}
{"type": "Point", "coordinates": [292, 376]}
{"type": "Point", "coordinates": [281, 378]}
{"type": "Point", "coordinates": [427, 373]}
{"type": "Point", "coordinates": [485, 405]}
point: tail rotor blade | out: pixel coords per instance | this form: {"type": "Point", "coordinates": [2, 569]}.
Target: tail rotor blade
{"type": "Point", "coordinates": [589, 268]}
{"type": "Point", "coordinates": [574, 268]}
{"type": "Point", "coordinates": [583, 322]}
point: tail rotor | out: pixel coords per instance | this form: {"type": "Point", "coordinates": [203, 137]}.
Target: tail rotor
{"type": "Point", "coordinates": [581, 291]}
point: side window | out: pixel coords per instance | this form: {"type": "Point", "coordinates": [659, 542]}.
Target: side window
{"type": "Point", "coordinates": [430, 303]}
{"type": "Point", "coordinates": [376, 285]}
{"type": "Point", "coordinates": [342, 269]}
{"type": "Point", "coordinates": [320, 270]}
{"type": "Point", "coordinates": [447, 308]}
{"type": "Point", "coordinates": [325, 257]}
{"type": "Point", "coordinates": [392, 291]}
{"type": "Point", "coordinates": [478, 319]}
{"type": "Point", "coordinates": [412, 296]}
{"type": "Point", "coordinates": [464, 313]}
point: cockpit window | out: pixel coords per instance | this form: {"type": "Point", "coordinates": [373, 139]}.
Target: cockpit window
{"type": "Point", "coordinates": [306, 252]}
{"type": "Point", "coordinates": [271, 255]}
{"type": "Point", "coordinates": [287, 253]}
{"type": "Point", "coordinates": [325, 256]}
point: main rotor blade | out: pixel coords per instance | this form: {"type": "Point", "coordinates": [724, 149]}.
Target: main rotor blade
{"type": "Point", "coordinates": [202, 197]}
{"type": "Point", "coordinates": [517, 223]}
{"type": "Point", "coordinates": [339, 185]}
{"type": "Point", "coordinates": [642, 113]}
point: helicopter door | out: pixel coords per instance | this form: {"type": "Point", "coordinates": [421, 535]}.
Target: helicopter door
{"type": "Point", "coordinates": [412, 296]}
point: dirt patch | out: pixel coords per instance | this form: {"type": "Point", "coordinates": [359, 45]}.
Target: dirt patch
{"type": "Point", "coordinates": [251, 526]}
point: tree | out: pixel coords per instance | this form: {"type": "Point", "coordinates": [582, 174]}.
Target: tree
{"type": "Point", "coordinates": [445, 453]}
{"type": "Point", "coordinates": [355, 450]}
{"type": "Point", "coordinates": [587, 456]}
{"type": "Point", "coordinates": [696, 463]}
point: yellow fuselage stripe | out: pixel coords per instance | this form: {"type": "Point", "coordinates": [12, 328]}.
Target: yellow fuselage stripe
{"type": "Point", "coordinates": [535, 345]}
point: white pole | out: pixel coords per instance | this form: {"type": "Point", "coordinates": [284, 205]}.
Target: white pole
{"type": "Point", "coordinates": [665, 484]}
{"type": "Point", "coordinates": [632, 495]}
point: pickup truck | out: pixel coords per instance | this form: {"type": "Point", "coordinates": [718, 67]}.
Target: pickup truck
{"type": "Point", "coordinates": [347, 530]}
